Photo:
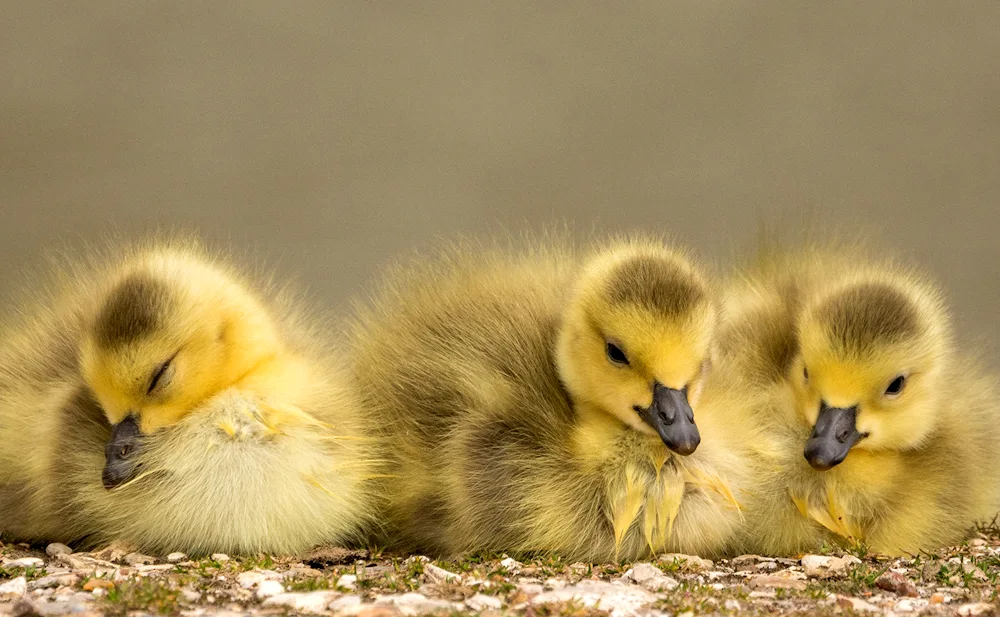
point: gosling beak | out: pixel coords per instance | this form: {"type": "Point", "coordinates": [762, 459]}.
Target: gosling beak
{"type": "Point", "coordinates": [121, 452]}
{"type": "Point", "coordinates": [833, 436]}
{"type": "Point", "coordinates": [671, 416]}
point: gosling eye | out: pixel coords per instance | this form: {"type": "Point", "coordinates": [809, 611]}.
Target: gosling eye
{"type": "Point", "coordinates": [896, 386]}
{"type": "Point", "coordinates": [805, 374]}
{"type": "Point", "coordinates": [158, 375]}
{"type": "Point", "coordinates": [125, 451]}
{"type": "Point", "coordinates": [615, 354]}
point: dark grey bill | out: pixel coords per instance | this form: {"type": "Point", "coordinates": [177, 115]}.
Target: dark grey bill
{"type": "Point", "coordinates": [833, 436]}
{"type": "Point", "coordinates": [121, 453]}
{"type": "Point", "coordinates": [671, 416]}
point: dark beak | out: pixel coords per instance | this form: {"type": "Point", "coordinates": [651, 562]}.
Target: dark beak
{"type": "Point", "coordinates": [672, 417]}
{"type": "Point", "coordinates": [833, 436]}
{"type": "Point", "coordinates": [121, 453]}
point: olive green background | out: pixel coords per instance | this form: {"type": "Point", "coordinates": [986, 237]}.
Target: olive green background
{"type": "Point", "coordinates": [328, 137]}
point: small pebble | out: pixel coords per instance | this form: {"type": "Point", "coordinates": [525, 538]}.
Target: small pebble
{"type": "Point", "coordinates": [55, 549]}
{"type": "Point", "coordinates": [347, 581]}
{"type": "Point", "coordinates": [616, 599]}
{"type": "Point", "coordinates": [249, 580]}
{"type": "Point", "coordinates": [782, 579]}
{"type": "Point", "coordinates": [416, 603]}
{"type": "Point", "coordinates": [267, 589]}
{"type": "Point", "coordinates": [732, 605]}
{"type": "Point", "coordinates": [138, 559]}
{"type": "Point", "coordinates": [176, 557]}
{"type": "Point", "coordinates": [54, 581]}
{"type": "Point", "coordinates": [308, 602]}
{"type": "Point", "coordinates": [978, 608]}
{"type": "Point", "coordinates": [24, 562]}
{"type": "Point", "coordinates": [220, 557]}
{"type": "Point", "coordinates": [897, 583]}
{"type": "Point", "coordinates": [649, 577]}
{"type": "Point", "coordinates": [344, 603]}
{"type": "Point", "coordinates": [439, 575]}
{"type": "Point", "coordinates": [511, 564]}
{"type": "Point", "coordinates": [482, 602]}
{"type": "Point", "coordinates": [15, 587]}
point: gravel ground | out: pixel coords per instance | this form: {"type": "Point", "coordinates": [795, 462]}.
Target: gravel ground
{"type": "Point", "coordinates": [963, 581]}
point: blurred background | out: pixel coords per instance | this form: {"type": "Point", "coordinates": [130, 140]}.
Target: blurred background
{"type": "Point", "coordinates": [329, 137]}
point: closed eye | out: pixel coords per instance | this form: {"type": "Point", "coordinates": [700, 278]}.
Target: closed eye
{"type": "Point", "coordinates": [160, 372]}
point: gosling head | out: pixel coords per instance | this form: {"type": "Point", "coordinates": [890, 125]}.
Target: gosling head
{"type": "Point", "coordinates": [635, 340]}
{"type": "Point", "coordinates": [171, 332]}
{"type": "Point", "coordinates": [868, 376]}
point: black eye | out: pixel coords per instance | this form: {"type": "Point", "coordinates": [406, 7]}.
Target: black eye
{"type": "Point", "coordinates": [125, 451]}
{"type": "Point", "coordinates": [615, 354]}
{"type": "Point", "coordinates": [896, 386]}
{"type": "Point", "coordinates": [805, 373]}
{"type": "Point", "coordinates": [157, 375]}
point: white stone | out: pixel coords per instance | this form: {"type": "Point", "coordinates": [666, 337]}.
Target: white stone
{"type": "Point", "coordinates": [267, 589]}
{"type": "Point", "coordinates": [176, 557]}
{"type": "Point", "coordinates": [345, 603]}
{"type": "Point", "coordinates": [905, 606]}
{"type": "Point", "coordinates": [24, 562]}
{"type": "Point", "coordinates": [14, 587]}
{"type": "Point", "coordinates": [530, 589]}
{"type": "Point", "coordinates": [618, 600]}
{"type": "Point", "coordinates": [553, 583]}
{"type": "Point", "coordinates": [347, 581]}
{"type": "Point", "coordinates": [732, 605]}
{"type": "Point", "coordinates": [815, 562]}
{"type": "Point", "coordinates": [307, 602]}
{"type": "Point", "coordinates": [54, 581]}
{"type": "Point", "coordinates": [786, 579]}
{"type": "Point", "coordinates": [249, 580]}
{"type": "Point", "coordinates": [650, 577]}
{"type": "Point", "coordinates": [511, 564]}
{"type": "Point", "coordinates": [190, 595]}
{"type": "Point", "coordinates": [978, 608]}
{"type": "Point", "coordinates": [823, 566]}
{"type": "Point", "coordinates": [220, 557]}
{"type": "Point", "coordinates": [482, 602]}
{"type": "Point", "coordinates": [439, 575]}
{"type": "Point", "coordinates": [417, 603]}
